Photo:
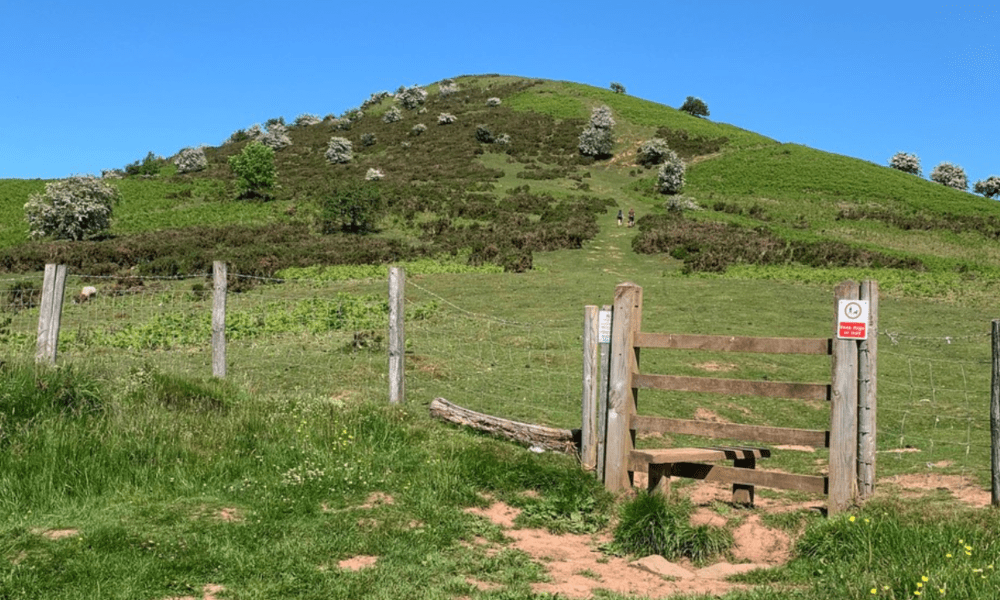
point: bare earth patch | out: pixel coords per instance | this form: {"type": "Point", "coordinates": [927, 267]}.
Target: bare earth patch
{"type": "Point", "coordinates": [703, 414]}
{"type": "Point", "coordinates": [962, 488]}
{"type": "Point", "coordinates": [58, 534]}
{"type": "Point", "coordinates": [576, 568]}
{"type": "Point", "coordinates": [356, 563]}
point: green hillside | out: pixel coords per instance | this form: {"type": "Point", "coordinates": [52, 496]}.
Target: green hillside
{"type": "Point", "coordinates": [448, 193]}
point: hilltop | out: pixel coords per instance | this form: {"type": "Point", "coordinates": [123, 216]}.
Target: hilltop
{"type": "Point", "coordinates": [501, 178]}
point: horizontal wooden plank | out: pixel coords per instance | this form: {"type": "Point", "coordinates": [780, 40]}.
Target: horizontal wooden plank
{"type": "Point", "coordinates": [732, 431]}
{"type": "Point", "coordinates": [639, 459]}
{"type": "Point", "coordinates": [734, 343]}
{"type": "Point", "coordinates": [735, 387]}
{"type": "Point", "coordinates": [723, 474]}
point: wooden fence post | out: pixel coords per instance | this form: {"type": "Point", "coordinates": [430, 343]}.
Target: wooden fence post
{"type": "Point", "coordinates": [591, 373]}
{"type": "Point", "coordinates": [844, 411]}
{"type": "Point", "coordinates": [397, 340]}
{"type": "Point", "coordinates": [867, 395]}
{"type": "Point", "coordinates": [604, 362]}
{"type": "Point", "coordinates": [50, 313]}
{"type": "Point", "coordinates": [995, 415]}
{"type": "Point", "coordinates": [621, 395]}
{"type": "Point", "coordinates": [220, 275]}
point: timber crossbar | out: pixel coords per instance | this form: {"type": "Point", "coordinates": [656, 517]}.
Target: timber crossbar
{"type": "Point", "coordinates": [619, 421]}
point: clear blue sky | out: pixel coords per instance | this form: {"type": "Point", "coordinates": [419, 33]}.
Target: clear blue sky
{"type": "Point", "coordinates": [95, 85]}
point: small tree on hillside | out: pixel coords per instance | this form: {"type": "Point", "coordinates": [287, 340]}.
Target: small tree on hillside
{"type": "Point", "coordinates": [411, 97]}
{"type": "Point", "coordinates": [695, 107]}
{"type": "Point", "coordinates": [71, 209]}
{"type": "Point", "coordinates": [617, 87]}
{"type": "Point", "coordinates": [950, 175]}
{"type": "Point", "coordinates": [989, 187]}
{"type": "Point", "coordinates": [352, 207]}
{"type": "Point", "coordinates": [254, 167]}
{"type": "Point", "coordinates": [597, 139]}
{"type": "Point", "coordinates": [670, 178]}
{"type": "Point", "coordinates": [907, 163]}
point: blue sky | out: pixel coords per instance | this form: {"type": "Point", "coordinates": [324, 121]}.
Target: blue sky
{"type": "Point", "coordinates": [90, 86]}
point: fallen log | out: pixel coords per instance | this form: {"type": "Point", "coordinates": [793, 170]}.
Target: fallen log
{"type": "Point", "coordinates": [549, 438]}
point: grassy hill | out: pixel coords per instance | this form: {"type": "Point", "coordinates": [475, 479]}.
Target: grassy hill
{"type": "Point", "coordinates": [128, 473]}
{"type": "Point", "coordinates": [448, 193]}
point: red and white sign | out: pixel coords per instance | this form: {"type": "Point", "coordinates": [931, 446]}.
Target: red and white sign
{"type": "Point", "coordinates": [852, 319]}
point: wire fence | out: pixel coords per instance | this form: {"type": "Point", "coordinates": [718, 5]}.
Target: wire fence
{"type": "Point", "coordinates": [329, 338]}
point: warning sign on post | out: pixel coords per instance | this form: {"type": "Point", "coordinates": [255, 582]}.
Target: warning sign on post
{"type": "Point", "coordinates": [604, 327]}
{"type": "Point", "coordinates": [852, 320]}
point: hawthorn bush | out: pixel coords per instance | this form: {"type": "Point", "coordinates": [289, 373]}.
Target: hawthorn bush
{"type": "Point", "coordinates": [411, 97]}
{"type": "Point", "coordinates": [76, 208]}
{"type": "Point", "coordinates": [907, 163]}
{"type": "Point", "coordinates": [670, 178]}
{"type": "Point", "coordinates": [191, 159]}
{"type": "Point", "coordinates": [306, 119]}
{"type": "Point", "coordinates": [652, 152]}
{"type": "Point", "coordinates": [597, 138]}
{"type": "Point", "coordinates": [254, 167]}
{"type": "Point", "coordinates": [448, 87]}
{"type": "Point", "coordinates": [339, 150]}
{"type": "Point", "coordinates": [446, 119]}
{"type": "Point", "coordinates": [352, 207]}
{"type": "Point", "coordinates": [988, 187]}
{"type": "Point", "coordinates": [950, 175]}
{"type": "Point", "coordinates": [494, 101]}
{"type": "Point", "coordinates": [276, 137]}
{"type": "Point", "coordinates": [392, 115]}
{"type": "Point", "coordinates": [617, 87]}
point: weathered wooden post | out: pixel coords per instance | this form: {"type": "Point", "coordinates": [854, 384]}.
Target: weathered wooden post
{"type": "Point", "coordinates": [995, 415]}
{"type": "Point", "coordinates": [591, 375]}
{"type": "Point", "coordinates": [867, 394]}
{"type": "Point", "coordinates": [621, 394]}
{"type": "Point", "coordinates": [50, 313]}
{"type": "Point", "coordinates": [606, 319]}
{"type": "Point", "coordinates": [844, 411]}
{"type": "Point", "coordinates": [397, 340]}
{"type": "Point", "coordinates": [220, 275]}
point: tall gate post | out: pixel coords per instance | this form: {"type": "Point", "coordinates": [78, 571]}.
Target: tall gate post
{"type": "Point", "coordinates": [844, 411]}
{"type": "Point", "coordinates": [621, 395]}
{"type": "Point", "coordinates": [604, 358]}
{"type": "Point", "coordinates": [591, 377]}
{"type": "Point", "coordinates": [867, 394]}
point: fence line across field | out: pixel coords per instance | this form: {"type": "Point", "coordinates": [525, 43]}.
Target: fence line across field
{"type": "Point", "coordinates": [934, 397]}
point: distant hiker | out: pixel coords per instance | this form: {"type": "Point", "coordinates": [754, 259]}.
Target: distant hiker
{"type": "Point", "coordinates": [619, 217]}
{"type": "Point", "coordinates": [631, 217]}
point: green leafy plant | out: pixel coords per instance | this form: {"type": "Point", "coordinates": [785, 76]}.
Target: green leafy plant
{"type": "Point", "coordinates": [695, 107]}
{"type": "Point", "coordinates": [254, 167]}
{"type": "Point", "coordinates": [617, 87]}
{"type": "Point", "coordinates": [649, 524]}
{"type": "Point", "coordinates": [149, 167]}
{"type": "Point", "coordinates": [71, 209]}
{"type": "Point", "coordinates": [352, 207]}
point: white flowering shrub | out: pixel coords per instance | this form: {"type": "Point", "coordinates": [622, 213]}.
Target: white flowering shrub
{"type": "Point", "coordinates": [340, 124]}
{"type": "Point", "coordinates": [652, 152]}
{"type": "Point", "coordinates": [493, 101]}
{"type": "Point", "coordinates": [503, 139]}
{"type": "Point", "coordinates": [670, 178]}
{"type": "Point", "coordinates": [190, 159]}
{"type": "Point", "coordinates": [306, 119]}
{"type": "Point", "coordinates": [374, 174]}
{"type": "Point", "coordinates": [276, 137]}
{"type": "Point", "coordinates": [446, 119]}
{"type": "Point", "coordinates": [597, 138]}
{"type": "Point", "coordinates": [112, 174]}
{"type": "Point", "coordinates": [374, 99]}
{"type": "Point", "coordinates": [907, 163]}
{"type": "Point", "coordinates": [411, 97]}
{"type": "Point", "coordinates": [988, 187]}
{"type": "Point", "coordinates": [392, 115]}
{"type": "Point", "coordinates": [950, 175]}
{"type": "Point", "coordinates": [418, 129]}
{"type": "Point", "coordinates": [71, 209]}
{"type": "Point", "coordinates": [448, 87]}
{"type": "Point", "coordinates": [353, 115]}
{"type": "Point", "coordinates": [339, 150]}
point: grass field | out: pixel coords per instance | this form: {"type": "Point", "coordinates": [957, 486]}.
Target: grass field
{"type": "Point", "coordinates": [164, 480]}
